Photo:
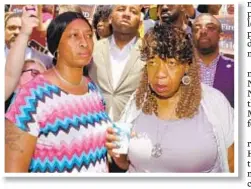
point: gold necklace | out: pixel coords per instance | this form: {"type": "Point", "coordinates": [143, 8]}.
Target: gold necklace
{"type": "Point", "coordinates": [65, 81]}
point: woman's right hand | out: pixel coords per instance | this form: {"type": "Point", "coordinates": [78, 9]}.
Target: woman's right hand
{"type": "Point", "coordinates": [111, 143]}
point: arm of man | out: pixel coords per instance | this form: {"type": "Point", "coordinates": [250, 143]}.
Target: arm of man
{"type": "Point", "coordinates": [16, 56]}
{"type": "Point", "coordinates": [14, 64]}
{"type": "Point", "coordinates": [19, 148]}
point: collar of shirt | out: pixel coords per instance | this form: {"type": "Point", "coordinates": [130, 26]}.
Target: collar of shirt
{"type": "Point", "coordinates": [212, 64]}
{"type": "Point", "coordinates": [126, 48]}
{"type": "Point", "coordinates": [208, 72]}
{"type": "Point", "coordinates": [119, 59]}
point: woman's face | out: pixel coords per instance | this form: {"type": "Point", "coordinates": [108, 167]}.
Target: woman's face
{"type": "Point", "coordinates": [76, 44]}
{"type": "Point", "coordinates": [165, 76]}
{"type": "Point", "coordinates": [103, 28]}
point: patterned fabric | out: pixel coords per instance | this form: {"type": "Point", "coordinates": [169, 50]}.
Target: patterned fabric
{"type": "Point", "coordinates": [70, 129]}
{"type": "Point", "coordinates": [208, 71]}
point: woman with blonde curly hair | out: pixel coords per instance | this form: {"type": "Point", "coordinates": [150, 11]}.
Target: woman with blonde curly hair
{"type": "Point", "coordinates": [179, 124]}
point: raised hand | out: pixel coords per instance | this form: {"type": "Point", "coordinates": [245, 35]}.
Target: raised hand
{"type": "Point", "coordinates": [29, 20]}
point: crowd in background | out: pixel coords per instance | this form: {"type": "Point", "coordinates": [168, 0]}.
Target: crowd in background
{"type": "Point", "coordinates": [97, 16]}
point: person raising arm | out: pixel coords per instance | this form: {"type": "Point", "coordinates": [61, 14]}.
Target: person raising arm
{"type": "Point", "coordinates": [16, 56]}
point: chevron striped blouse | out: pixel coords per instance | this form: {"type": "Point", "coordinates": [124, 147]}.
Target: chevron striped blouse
{"type": "Point", "coordinates": [70, 129]}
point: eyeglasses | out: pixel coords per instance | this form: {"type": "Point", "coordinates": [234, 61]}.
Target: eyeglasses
{"type": "Point", "coordinates": [33, 72]}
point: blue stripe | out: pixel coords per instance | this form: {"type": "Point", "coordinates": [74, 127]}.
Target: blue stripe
{"type": "Point", "coordinates": [75, 162]}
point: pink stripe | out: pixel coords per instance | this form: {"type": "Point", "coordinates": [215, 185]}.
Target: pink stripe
{"type": "Point", "coordinates": [77, 147]}
{"type": "Point", "coordinates": [22, 94]}
{"type": "Point", "coordinates": [84, 106]}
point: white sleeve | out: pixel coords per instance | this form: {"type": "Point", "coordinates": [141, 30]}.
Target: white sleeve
{"type": "Point", "coordinates": [220, 113]}
{"type": "Point", "coordinates": [130, 111]}
{"type": "Point", "coordinates": [229, 123]}
{"type": "Point", "coordinates": [225, 114]}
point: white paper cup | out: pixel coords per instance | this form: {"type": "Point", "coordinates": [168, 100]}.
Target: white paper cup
{"type": "Point", "coordinates": [123, 131]}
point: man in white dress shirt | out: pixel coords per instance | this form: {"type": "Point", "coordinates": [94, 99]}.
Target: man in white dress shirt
{"type": "Point", "coordinates": [116, 65]}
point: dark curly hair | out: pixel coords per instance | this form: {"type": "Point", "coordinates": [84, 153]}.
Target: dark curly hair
{"type": "Point", "coordinates": [169, 41]}
{"type": "Point", "coordinates": [102, 13]}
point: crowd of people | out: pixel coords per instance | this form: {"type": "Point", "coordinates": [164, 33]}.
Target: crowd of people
{"type": "Point", "coordinates": [158, 68]}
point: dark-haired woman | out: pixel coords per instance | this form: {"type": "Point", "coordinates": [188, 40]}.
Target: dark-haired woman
{"type": "Point", "coordinates": [57, 121]}
{"type": "Point", "coordinates": [179, 124]}
{"type": "Point", "coordinates": [101, 21]}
